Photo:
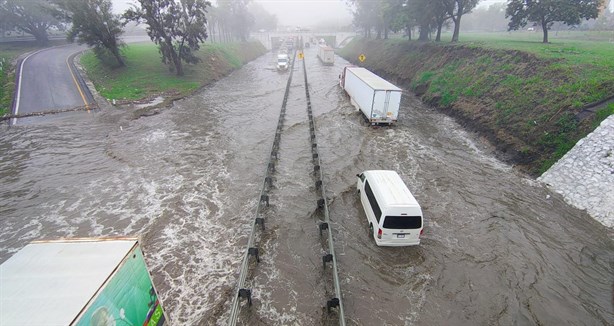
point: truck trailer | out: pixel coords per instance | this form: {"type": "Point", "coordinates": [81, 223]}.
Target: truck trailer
{"type": "Point", "coordinates": [375, 97]}
{"type": "Point", "coordinates": [79, 282]}
{"type": "Point", "coordinates": [326, 54]}
{"type": "Point", "coordinates": [276, 42]}
{"type": "Point", "coordinates": [283, 62]}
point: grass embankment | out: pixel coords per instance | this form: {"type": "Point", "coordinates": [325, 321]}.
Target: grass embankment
{"type": "Point", "coordinates": [145, 76]}
{"type": "Point", "coordinates": [528, 98]}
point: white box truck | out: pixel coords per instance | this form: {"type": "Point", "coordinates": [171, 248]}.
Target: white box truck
{"type": "Point", "coordinates": [326, 54]}
{"type": "Point", "coordinates": [283, 62]}
{"type": "Point", "coordinates": [375, 97]}
{"type": "Point", "coordinates": [79, 282]}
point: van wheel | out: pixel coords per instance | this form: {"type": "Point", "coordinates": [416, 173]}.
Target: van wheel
{"type": "Point", "coordinates": [370, 230]}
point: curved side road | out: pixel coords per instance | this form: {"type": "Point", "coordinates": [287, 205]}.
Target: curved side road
{"type": "Point", "coordinates": [48, 81]}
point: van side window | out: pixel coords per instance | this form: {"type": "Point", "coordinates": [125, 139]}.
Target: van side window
{"type": "Point", "coordinates": [376, 210]}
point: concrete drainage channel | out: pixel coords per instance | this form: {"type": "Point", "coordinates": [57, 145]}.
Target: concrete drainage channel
{"type": "Point", "coordinates": [242, 294]}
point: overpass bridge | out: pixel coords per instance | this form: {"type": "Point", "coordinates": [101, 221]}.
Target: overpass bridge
{"type": "Point", "coordinates": [340, 38]}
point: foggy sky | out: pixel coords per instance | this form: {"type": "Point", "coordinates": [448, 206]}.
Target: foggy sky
{"type": "Point", "coordinates": [304, 13]}
{"type": "Point", "coordinates": [119, 6]}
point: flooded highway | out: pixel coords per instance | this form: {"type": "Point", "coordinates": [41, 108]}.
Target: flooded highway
{"type": "Point", "coordinates": [498, 248]}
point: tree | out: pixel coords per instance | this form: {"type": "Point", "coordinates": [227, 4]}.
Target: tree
{"type": "Point", "coordinates": [547, 12]}
{"type": "Point", "coordinates": [231, 20]}
{"type": "Point", "coordinates": [605, 21]}
{"type": "Point", "coordinates": [393, 16]}
{"type": "Point", "coordinates": [94, 24]}
{"type": "Point", "coordinates": [262, 18]}
{"type": "Point", "coordinates": [398, 17]}
{"type": "Point", "coordinates": [239, 20]}
{"type": "Point", "coordinates": [34, 17]}
{"type": "Point", "coordinates": [457, 9]}
{"type": "Point", "coordinates": [365, 15]}
{"type": "Point", "coordinates": [421, 12]}
{"type": "Point", "coordinates": [441, 15]}
{"type": "Point", "coordinates": [177, 27]}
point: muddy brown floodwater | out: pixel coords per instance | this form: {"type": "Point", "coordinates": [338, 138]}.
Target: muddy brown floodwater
{"type": "Point", "coordinates": [498, 248]}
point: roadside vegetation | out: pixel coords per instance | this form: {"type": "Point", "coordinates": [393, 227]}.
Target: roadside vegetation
{"type": "Point", "coordinates": [5, 87]}
{"type": "Point", "coordinates": [533, 100]}
{"type": "Point", "coordinates": [179, 30]}
{"type": "Point", "coordinates": [8, 53]}
{"type": "Point", "coordinates": [144, 76]}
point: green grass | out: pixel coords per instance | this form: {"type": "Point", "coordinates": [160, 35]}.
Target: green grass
{"type": "Point", "coordinates": [592, 48]}
{"type": "Point", "coordinates": [229, 50]}
{"type": "Point", "coordinates": [4, 87]}
{"type": "Point", "coordinates": [603, 114]}
{"type": "Point", "coordinates": [145, 75]}
{"type": "Point", "coordinates": [584, 59]}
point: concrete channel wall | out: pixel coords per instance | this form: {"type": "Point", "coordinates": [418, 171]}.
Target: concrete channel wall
{"type": "Point", "coordinates": [585, 175]}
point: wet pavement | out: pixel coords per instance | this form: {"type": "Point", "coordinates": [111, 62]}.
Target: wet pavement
{"type": "Point", "coordinates": [498, 247]}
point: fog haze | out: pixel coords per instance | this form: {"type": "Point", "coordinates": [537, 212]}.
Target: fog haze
{"type": "Point", "coordinates": [307, 13]}
{"type": "Point", "coordinates": [119, 6]}
{"type": "Point", "coordinates": [304, 13]}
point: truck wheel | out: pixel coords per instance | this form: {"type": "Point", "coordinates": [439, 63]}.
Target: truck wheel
{"type": "Point", "coordinates": [370, 230]}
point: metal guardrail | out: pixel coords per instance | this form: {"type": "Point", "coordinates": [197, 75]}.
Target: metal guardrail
{"type": "Point", "coordinates": [335, 302]}
{"type": "Point", "coordinates": [241, 292]}
{"type": "Point", "coordinates": [252, 250]}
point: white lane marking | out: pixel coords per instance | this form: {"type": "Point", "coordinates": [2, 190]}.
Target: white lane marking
{"type": "Point", "coordinates": [19, 85]}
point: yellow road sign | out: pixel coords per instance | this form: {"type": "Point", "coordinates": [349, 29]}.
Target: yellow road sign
{"type": "Point", "coordinates": [300, 55]}
{"type": "Point", "coordinates": [362, 58]}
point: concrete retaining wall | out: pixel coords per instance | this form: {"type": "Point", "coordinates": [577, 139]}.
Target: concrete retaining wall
{"type": "Point", "coordinates": [585, 175]}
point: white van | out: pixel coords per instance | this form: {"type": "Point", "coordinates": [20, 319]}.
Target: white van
{"type": "Point", "coordinates": [393, 214]}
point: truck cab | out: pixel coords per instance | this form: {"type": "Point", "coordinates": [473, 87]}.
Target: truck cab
{"type": "Point", "coordinates": [282, 62]}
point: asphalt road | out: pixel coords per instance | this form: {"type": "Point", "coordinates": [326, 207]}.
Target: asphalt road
{"type": "Point", "coordinates": [47, 83]}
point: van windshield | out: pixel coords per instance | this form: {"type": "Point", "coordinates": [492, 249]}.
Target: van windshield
{"type": "Point", "coordinates": [402, 222]}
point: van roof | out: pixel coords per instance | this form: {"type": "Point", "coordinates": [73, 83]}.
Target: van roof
{"type": "Point", "coordinates": [391, 188]}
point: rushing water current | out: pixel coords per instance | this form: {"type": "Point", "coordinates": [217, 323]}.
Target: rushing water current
{"type": "Point", "coordinates": [498, 248]}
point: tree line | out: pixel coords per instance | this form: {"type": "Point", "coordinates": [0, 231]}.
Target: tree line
{"type": "Point", "coordinates": [178, 27]}
{"type": "Point", "coordinates": [378, 18]}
